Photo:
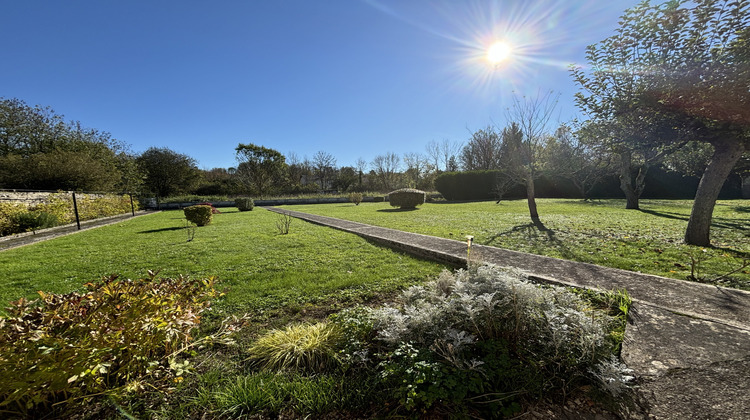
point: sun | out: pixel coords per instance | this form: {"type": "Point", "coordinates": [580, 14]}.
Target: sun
{"type": "Point", "coordinates": [499, 52]}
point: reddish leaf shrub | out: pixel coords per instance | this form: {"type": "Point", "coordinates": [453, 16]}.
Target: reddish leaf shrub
{"type": "Point", "coordinates": [107, 341]}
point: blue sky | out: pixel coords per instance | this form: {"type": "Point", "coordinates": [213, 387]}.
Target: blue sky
{"type": "Point", "coordinates": [354, 78]}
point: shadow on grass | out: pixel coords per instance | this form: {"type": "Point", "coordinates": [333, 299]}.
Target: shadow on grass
{"type": "Point", "coordinates": [664, 214]}
{"type": "Point", "coordinates": [539, 235]}
{"type": "Point", "coordinates": [396, 210]}
{"type": "Point", "coordinates": [741, 209]}
{"type": "Point", "coordinates": [162, 229]}
{"type": "Point", "coordinates": [721, 222]}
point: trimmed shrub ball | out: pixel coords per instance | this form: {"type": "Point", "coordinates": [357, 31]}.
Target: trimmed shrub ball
{"type": "Point", "coordinates": [200, 215]}
{"type": "Point", "coordinates": [407, 198]}
{"type": "Point", "coordinates": [244, 203]}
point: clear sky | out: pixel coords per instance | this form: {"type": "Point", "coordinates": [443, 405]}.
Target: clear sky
{"type": "Point", "coordinates": [354, 78]}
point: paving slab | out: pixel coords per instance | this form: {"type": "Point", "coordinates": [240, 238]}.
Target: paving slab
{"type": "Point", "coordinates": [689, 343]}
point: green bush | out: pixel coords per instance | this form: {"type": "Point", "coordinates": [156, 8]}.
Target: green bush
{"type": "Point", "coordinates": [31, 221]}
{"type": "Point", "coordinates": [378, 199]}
{"type": "Point", "coordinates": [355, 198]}
{"type": "Point", "coordinates": [107, 341]}
{"type": "Point", "coordinates": [304, 347]}
{"type": "Point", "coordinates": [471, 185]}
{"type": "Point", "coordinates": [407, 198]}
{"type": "Point", "coordinates": [244, 203]}
{"type": "Point", "coordinates": [469, 336]}
{"type": "Point", "coordinates": [8, 216]}
{"type": "Point", "coordinates": [200, 215]}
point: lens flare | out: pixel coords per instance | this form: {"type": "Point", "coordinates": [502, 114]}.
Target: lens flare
{"type": "Point", "coordinates": [499, 52]}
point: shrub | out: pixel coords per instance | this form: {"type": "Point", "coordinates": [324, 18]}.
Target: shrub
{"type": "Point", "coordinates": [470, 185]}
{"type": "Point", "coordinates": [60, 204]}
{"type": "Point", "coordinates": [199, 214]}
{"type": "Point", "coordinates": [244, 203]}
{"type": "Point", "coordinates": [472, 335]}
{"type": "Point", "coordinates": [8, 215]}
{"type": "Point", "coordinates": [305, 347]}
{"type": "Point", "coordinates": [31, 221]}
{"type": "Point", "coordinates": [378, 199]}
{"type": "Point", "coordinates": [89, 206]}
{"type": "Point", "coordinates": [108, 341]}
{"type": "Point", "coordinates": [355, 198]}
{"type": "Point", "coordinates": [214, 210]}
{"type": "Point", "coordinates": [94, 207]}
{"type": "Point", "coordinates": [407, 198]}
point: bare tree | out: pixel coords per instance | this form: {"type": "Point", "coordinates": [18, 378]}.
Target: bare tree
{"type": "Point", "coordinates": [532, 115]}
{"type": "Point", "coordinates": [433, 153]}
{"type": "Point", "coordinates": [418, 170]}
{"type": "Point", "coordinates": [386, 169]}
{"type": "Point", "coordinates": [324, 168]}
{"type": "Point", "coordinates": [483, 151]}
{"type": "Point", "coordinates": [361, 166]}
{"type": "Point", "coordinates": [449, 151]}
{"type": "Point", "coordinates": [299, 170]}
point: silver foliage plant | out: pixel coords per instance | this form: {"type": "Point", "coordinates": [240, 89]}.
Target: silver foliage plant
{"type": "Point", "coordinates": [485, 302]}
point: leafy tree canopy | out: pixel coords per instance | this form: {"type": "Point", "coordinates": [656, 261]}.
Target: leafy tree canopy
{"type": "Point", "coordinates": [673, 73]}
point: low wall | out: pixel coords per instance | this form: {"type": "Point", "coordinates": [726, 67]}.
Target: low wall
{"type": "Point", "coordinates": [151, 202]}
{"type": "Point", "coordinates": [30, 198]}
{"type": "Point", "coordinates": [27, 198]}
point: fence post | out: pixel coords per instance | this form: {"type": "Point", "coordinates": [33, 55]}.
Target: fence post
{"type": "Point", "coordinates": [75, 209]}
{"type": "Point", "coordinates": [132, 207]}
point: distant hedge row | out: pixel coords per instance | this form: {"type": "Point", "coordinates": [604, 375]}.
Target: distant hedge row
{"type": "Point", "coordinates": [480, 185]}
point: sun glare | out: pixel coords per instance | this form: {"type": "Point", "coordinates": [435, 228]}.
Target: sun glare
{"type": "Point", "coordinates": [498, 52]}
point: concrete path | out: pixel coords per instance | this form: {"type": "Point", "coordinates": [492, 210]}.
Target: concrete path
{"type": "Point", "coordinates": [689, 343]}
{"type": "Point", "coordinates": [14, 241]}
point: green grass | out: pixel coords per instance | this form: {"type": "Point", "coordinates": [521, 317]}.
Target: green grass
{"type": "Point", "coordinates": [262, 269]}
{"type": "Point", "coordinates": [278, 279]}
{"type": "Point", "coordinates": [599, 232]}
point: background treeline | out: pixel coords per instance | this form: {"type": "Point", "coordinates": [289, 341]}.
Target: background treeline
{"type": "Point", "coordinates": [39, 150]}
{"type": "Point", "coordinates": [660, 183]}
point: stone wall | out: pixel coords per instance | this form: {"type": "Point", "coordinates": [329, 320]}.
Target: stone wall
{"type": "Point", "coordinates": [30, 198]}
{"type": "Point", "coordinates": [27, 198]}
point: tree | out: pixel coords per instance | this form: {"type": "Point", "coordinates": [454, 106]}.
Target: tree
{"type": "Point", "coordinates": [299, 174]}
{"type": "Point", "coordinates": [385, 168]}
{"type": "Point", "coordinates": [260, 169]}
{"type": "Point", "coordinates": [167, 172]}
{"type": "Point", "coordinates": [27, 130]}
{"type": "Point", "coordinates": [433, 153]}
{"type": "Point", "coordinates": [566, 156]}
{"type": "Point", "coordinates": [324, 169]}
{"type": "Point", "coordinates": [218, 181]}
{"type": "Point", "coordinates": [345, 178]}
{"type": "Point", "coordinates": [419, 171]}
{"type": "Point", "coordinates": [361, 166]}
{"type": "Point", "coordinates": [678, 71]}
{"type": "Point", "coordinates": [530, 129]}
{"type": "Point", "coordinates": [482, 152]}
{"type": "Point", "coordinates": [38, 150]}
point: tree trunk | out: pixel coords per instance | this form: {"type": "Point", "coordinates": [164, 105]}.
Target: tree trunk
{"type": "Point", "coordinates": [746, 186]}
{"type": "Point", "coordinates": [531, 196]}
{"type": "Point", "coordinates": [626, 184]}
{"type": "Point", "coordinates": [632, 190]}
{"type": "Point", "coordinates": [726, 154]}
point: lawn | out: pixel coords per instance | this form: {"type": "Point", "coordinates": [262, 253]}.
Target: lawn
{"type": "Point", "coordinates": [273, 280]}
{"type": "Point", "coordinates": [600, 232]}
{"type": "Point", "coordinates": [262, 269]}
